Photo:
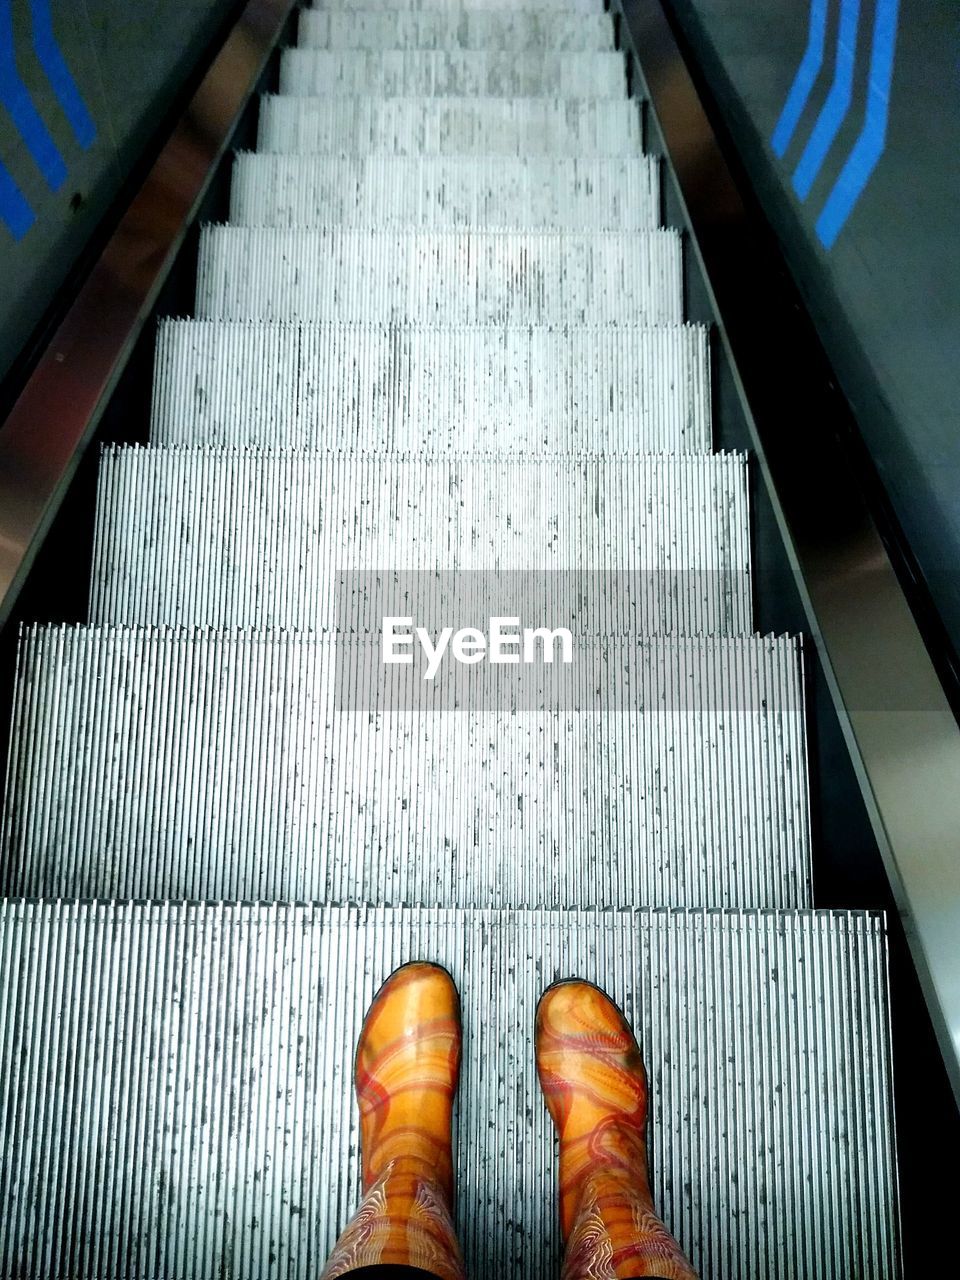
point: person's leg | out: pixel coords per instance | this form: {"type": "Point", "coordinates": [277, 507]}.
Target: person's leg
{"type": "Point", "coordinates": [595, 1087]}
{"type": "Point", "coordinates": [387, 1272]}
{"type": "Point", "coordinates": [407, 1067]}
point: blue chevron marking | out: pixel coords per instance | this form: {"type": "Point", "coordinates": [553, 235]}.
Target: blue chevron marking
{"type": "Point", "coordinates": [16, 98]}
{"type": "Point", "coordinates": [58, 73]}
{"type": "Point", "coordinates": [835, 109]}
{"type": "Point", "coordinates": [805, 79]}
{"type": "Point", "coordinates": [872, 142]}
{"type": "Point", "coordinates": [14, 210]}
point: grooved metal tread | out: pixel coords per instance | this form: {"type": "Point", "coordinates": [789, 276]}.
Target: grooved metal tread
{"type": "Point", "coordinates": [366, 125]}
{"type": "Point", "coordinates": [459, 6]}
{"type": "Point", "coordinates": [154, 763]}
{"type": "Point", "coordinates": [177, 1082]}
{"type": "Point", "coordinates": [427, 277]}
{"type": "Point", "coordinates": [404, 73]}
{"type": "Point", "coordinates": [449, 28]}
{"type": "Point", "coordinates": [488, 191]}
{"type": "Point", "coordinates": [231, 537]}
{"type": "Point", "coordinates": [614, 389]}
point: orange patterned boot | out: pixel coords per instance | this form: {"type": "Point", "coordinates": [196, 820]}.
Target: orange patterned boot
{"type": "Point", "coordinates": [595, 1086]}
{"type": "Point", "coordinates": [407, 1068]}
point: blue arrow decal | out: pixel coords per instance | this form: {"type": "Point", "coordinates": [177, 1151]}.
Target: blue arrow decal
{"type": "Point", "coordinates": [14, 210]}
{"type": "Point", "coordinates": [58, 73]}
{"type": "Point", "coordinates": [15, 97]}
{"type": "Point", "coordinates": [872, 141]}
{"type": "Point", "coordinates": [805, 79]}
{"type": "Point", "coordinates": [837, 105]}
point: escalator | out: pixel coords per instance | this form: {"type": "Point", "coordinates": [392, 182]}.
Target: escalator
{"type": "Point", "coordinates": [441, 358]}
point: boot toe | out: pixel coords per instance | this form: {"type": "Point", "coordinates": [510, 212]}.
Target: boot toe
{"type": "Point", "coordinates": [407, 1070]}
{"type": "Point", "coordinates": [588, 1059]}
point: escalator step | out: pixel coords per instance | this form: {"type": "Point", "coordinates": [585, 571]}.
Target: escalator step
{"type": "Point", "coordinates": [153, 763]}
{"type": "Point", "coordinates": [450, 126]}
{"type": "Point", "coordinates": [525, 390]}
{"type": "Point", "coordinates": [461, 6]}
{"type": "Point", "coordinates": [507, 29]}
{"type": "Point", "coordinates": [239, 537]}
{"type": "Point", "coordinates": [383, 191]}
{"type": "Point", "coordinates": [403, 73]}
{"type": "Point", "coordinates": [436, 277]}
{"type": "Point", "coordinates": [178, 1084]}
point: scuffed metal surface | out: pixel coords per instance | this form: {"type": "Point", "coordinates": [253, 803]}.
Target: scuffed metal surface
{"type": "Point", "coordinates": [366, 125]}
{"type": "Point", "coordinates": [243, 537]}
{"type": "Point", "coordinates": [551, 389]}
{"type": "Point", "coordinates": [440, 277]}
{"type": "Point", "coordinates": [192, 765]}
{"type": "Point", "coordinates": [384, 191]}
{"type": "Point", "coordinates": [177, 1087]}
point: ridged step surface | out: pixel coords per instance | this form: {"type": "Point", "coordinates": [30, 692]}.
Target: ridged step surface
{"type": "Point", "coordinates": [383, 191]}
{"type": "Point", "coordinates": [177, 1085]}
{"type": "Point", "coordinates": [433, 390]}
{"type": "Point", "coordinates": [450, 126]}
{"type": "Point", "coordinates": [458, 6]}
{"type": "Point", "coordinates": [440, 277]}
{"type": "Point", "coordinates": [508, 29]}
{"type": "Point", "coordinates": [409, 73]}
{"type": "Point", "coordinates": [187, 765]}
{"type": "Point", "coordinates": [213, 537]}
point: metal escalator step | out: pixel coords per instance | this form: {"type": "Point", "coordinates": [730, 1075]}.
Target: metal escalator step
{"type": "Point", "coordinates": [383, 191]}
{"type": "Point", "coordinates": [462, 6]}
{"type": "Point", "coordinates": [235, 537]}
{"type": "Point", "coordinates": [450, 28]}
{"type": "Point", "coordinates": [427, 277]}
{"type": "Point", "coordinates": [433, 390]}
{"type": "Point", "coordinates": [406, 73]}
{"type": "Point", "coordinates": [178, 1085]}
{"type": "Point", "coordinates": [450, 126]}
{"type": "Point", "coordinates": [262, 766]}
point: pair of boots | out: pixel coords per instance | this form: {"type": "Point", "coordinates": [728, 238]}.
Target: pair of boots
{"type": "Point", "coordinates": [591, 1073]}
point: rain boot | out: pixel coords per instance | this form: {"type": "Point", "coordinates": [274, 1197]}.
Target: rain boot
{"type": "Point", "coordinates": [595, 1087]}
{"type": "Point", "coordinates": [407, 1069]}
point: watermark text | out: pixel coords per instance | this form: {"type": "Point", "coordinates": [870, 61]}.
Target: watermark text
{"type": "Point", "coordinates": [504, 643]}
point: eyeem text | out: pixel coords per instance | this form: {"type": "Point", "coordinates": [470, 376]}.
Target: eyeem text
{"type": "Point", "coordinates": [502, 643]}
